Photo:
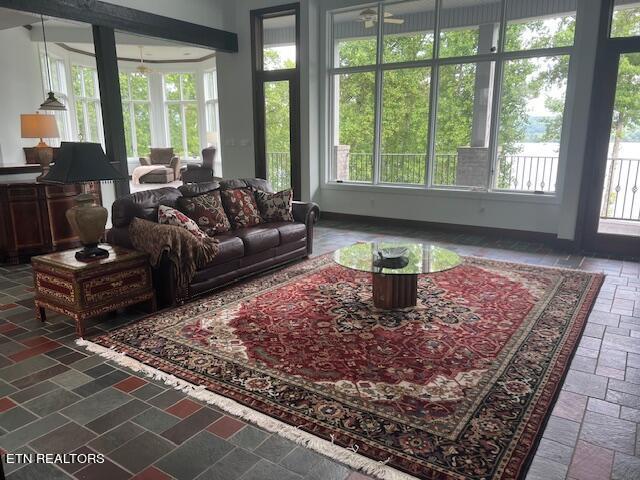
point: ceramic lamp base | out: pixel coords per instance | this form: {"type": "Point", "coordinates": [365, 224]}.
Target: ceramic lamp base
{"type": "Point", "coordinates": [45, 156]}
{"type": "Point", "coordinates": [91, 252]}
{"type": "Point", "coordinates": [88, 221]}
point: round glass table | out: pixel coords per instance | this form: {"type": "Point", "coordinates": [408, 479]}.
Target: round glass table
{"type": "Point", "coordinates": [395, 280]}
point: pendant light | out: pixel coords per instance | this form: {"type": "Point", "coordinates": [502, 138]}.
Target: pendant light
{"type": "Point", "coordinates": [51, 103]}
{"type": "Point", "coordinates": [142, 68]}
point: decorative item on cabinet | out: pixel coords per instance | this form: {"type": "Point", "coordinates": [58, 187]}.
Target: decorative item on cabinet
{"type": "Point", "coordinates": [33, 218]}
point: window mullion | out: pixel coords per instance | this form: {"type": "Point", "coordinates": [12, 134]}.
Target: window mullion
{"type": "Point", "coordinates": [378, 100]}
{"type": "Point", "coordinates": [183, 116]}
{"type": "Point", "coordinates": [433, 100]}
{"type": "Point", "coordinates": [494, 164]}
{"type": "Point", "coordinates": [134, 136]}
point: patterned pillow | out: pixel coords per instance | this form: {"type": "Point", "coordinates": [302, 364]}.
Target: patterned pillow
{"type": "Point", "coordinates": [241, 208]}
{"type": "Point", "coordinates": [171, 216]}
{"type": "Point", "coordinates": [207, 211]}
{"type": "Point", "coordinates": [275, 207]}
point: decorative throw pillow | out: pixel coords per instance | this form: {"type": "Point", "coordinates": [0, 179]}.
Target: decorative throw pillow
{"type": "Point", "coordinates": [207, 211]}
{"type": "Point", "coordinates": [241, 208]}
{"type": "Point", "coordinates": [171, 216]}
{"type": "Point", "coordinates": [275, 207]}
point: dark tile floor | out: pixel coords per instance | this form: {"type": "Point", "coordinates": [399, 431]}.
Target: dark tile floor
{"type": "Point", "coordinates": [57, 397]}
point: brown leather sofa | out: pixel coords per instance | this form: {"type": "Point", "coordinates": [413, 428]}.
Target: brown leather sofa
{"type": "Point", "coordinates": [242, 252]}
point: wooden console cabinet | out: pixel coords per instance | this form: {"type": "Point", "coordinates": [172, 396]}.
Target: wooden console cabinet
{"type": "Point", "coordinates": [33, 221]}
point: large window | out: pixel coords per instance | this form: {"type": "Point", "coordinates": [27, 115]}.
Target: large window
{"type": "Point", "coordinates": [182, 113]}
{"type": "Point", "coordinates": [211, 108]}
{"type": "Point", "coordinates": [87, 103]}
{"type": "Point", "coordinates": [471, 101]}
{"type": "Point", "coordinates": [134, 90]}
{"type": "Point", "coordinates": [56, 69]}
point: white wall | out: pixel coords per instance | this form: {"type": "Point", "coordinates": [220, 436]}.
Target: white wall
{"type": "Point", "coordinates": [21, 84]}
{"type": "Point", "coordinates": [203, 12]}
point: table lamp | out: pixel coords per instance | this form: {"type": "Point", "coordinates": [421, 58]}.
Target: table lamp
{"type": "Point", "coordinates": [83, 163]}
{"type": "Point", "coordinates": [35, 125]}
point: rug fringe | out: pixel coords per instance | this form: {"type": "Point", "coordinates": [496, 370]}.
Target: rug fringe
{"type": "Point", "coordinates": [348, 456]}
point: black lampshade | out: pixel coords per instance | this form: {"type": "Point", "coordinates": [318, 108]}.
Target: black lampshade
{"type": "Point", "coordinates": [81, 162]}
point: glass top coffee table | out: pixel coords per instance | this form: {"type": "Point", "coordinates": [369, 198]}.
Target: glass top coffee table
{"type": "Point", "coordinates": [395, 280]}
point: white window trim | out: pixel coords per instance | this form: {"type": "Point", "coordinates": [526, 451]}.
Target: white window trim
{"type": "Point", "coordinates": [183, 104]}
{"type": "Point", "coordinates": [500, 56]}
{"type": "Point", "coordinates": [130, 104]}
{"type": "Point", "coordinates": [82, 101]}
{"type": "Point", "coordinates": [57, 64]}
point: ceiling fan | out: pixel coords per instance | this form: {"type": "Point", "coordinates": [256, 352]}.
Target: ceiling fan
{"type": "Point", "coordinates": [369, 17]}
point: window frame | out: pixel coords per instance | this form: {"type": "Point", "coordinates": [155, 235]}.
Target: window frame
{"type": "Point", "coordinates": [82, 101]}
{"type": "Point", "coordinates": [130, 104]}
{"type": "Point", "coordinates": [213, 102]}
{"type": "Point", "coordinates": [499, 57]}
{"type": "Point", "coordinates": [58, 65]}
{"type": "Point", "coordinates": [183, 104]}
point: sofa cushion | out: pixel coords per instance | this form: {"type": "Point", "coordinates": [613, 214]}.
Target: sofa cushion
{"type": "Point", "coordinates": [142, 205]}
{"type": "Point", "coordinates": [230, 248]}
{"type": "Point", "coordinates": [258, 239]}
{"type": "Point", "coordinates": [171, 216]}
{"type": "Point", "coordinates": [290, 231]}
{"type": "Point", "coordinates": [241, 208]}
{"type": "Point", "coordinates": [232, 183]}
{"type": "Point", "coordinates": [259, 184]}
{"type": "Point", "coordinates": [275, 207]}
{"type": "Point", "coordinates": [195, 189]}
{"type": "Point", "coordinates": [207, 211]}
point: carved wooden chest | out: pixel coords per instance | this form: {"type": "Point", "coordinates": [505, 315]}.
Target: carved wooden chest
{"type": "Point", "coordinates": [83, 290]}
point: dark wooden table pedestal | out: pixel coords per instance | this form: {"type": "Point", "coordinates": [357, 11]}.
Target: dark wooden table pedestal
{"type": "Point", "coordinates": [395, 291]}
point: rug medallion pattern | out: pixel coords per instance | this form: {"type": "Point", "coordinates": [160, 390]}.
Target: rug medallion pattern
{"type": "Point", "coordinates": [458, 387]}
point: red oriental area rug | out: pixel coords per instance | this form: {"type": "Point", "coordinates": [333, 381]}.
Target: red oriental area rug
{"type": "Point", "coordinates": [459, 387]}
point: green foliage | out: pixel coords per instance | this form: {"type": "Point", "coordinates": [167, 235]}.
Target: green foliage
{"type": "Point", "coordinates": [405, 109]}
{"type": "Point", "coordinates": [626, 22]}
{"type": "Point", "coordinates": [459, 43]}
{"type": "Point", "coordinates": [134, 90]}
{"type": "Point", "coordinates": [407, 48]}
{"type": "Point", "coordinates": [181, 87]}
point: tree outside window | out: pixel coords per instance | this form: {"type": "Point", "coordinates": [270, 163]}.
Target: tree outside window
{"type": "Point", "coordinates": [182, 113]}
{"type": "Point", "coordinates": [385, 130]}
{"type": "Point", "coordinates": [84, 82]}
{"type": "Point", "coordinates": [134, 90]}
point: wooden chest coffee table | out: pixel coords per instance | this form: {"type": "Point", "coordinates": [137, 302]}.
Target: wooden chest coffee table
{"type": "Point", "coordinates": [83, 290]}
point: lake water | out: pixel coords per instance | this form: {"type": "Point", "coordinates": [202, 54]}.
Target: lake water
{"type": "Point", "coordinates": [627, 149]}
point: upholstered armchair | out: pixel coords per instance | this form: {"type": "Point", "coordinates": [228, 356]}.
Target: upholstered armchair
{"type": "Point", "coordinates": [168, 166]}
{"type": "Point", "coordinates": [200, 173]}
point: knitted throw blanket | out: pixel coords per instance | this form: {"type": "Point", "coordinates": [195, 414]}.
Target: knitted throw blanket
{"type": "Point", "coordinates": [185, 251]}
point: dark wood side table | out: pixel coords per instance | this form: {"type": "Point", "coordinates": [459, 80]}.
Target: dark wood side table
{"type": "Point", "coordinates": [83, 290]}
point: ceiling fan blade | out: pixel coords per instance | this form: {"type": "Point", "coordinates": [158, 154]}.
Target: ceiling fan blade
{"type": "Point", "coordinates": [395, 21]}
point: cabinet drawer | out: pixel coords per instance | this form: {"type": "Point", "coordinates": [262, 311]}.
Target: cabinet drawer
{"type": "Point", "coordinates": [58, 289]}
{"type": "Point", "coordinates": [121, 284]}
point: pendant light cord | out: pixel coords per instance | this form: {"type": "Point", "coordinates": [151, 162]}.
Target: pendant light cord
{"type": "Point", "coordinates": [46, 53]}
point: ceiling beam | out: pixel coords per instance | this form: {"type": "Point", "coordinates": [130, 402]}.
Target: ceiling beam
{"type": "Point", "coordinates": [128, 19]}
